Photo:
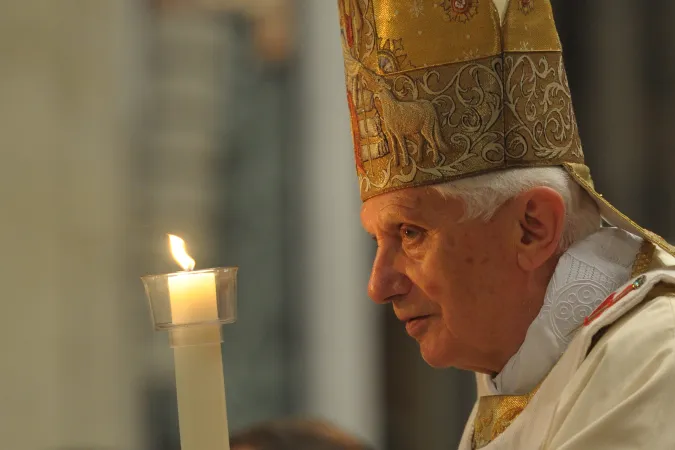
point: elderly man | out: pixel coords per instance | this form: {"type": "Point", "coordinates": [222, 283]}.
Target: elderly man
{"type": "Point", "coordinates": [491, 249]}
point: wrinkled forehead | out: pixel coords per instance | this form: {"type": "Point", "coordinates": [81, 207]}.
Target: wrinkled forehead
{"type": "Point", "coordinates": [418, 204]}
{"type": "Point", "coordinates": [409, 198]}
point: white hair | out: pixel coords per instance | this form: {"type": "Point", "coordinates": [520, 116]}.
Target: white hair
{"type": "Point", "coordinates": [483, 195]}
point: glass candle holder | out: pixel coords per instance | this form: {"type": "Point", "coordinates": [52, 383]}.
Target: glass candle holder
{"type": "Point", "coordinates": [197, 298]}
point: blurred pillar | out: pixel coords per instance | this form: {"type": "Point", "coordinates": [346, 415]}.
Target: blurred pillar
{"type": "Point", "coordinates": [342, 339]}
{"type": "Point", "coordinates": [615, 74]}
{"type": "Point", "coordinates": [272, 21]}
{"type": "Point", "coordinates": [177, 189]}
{"type": "Point", "coordinates": [69, 373]}
{"type": "Point", "coordinates": [660, 87]}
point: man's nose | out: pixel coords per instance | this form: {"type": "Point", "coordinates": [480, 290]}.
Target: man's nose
{"type": "Point", "coordinates": [387, 281]}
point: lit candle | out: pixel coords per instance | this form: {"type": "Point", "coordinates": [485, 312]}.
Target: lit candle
{"type": "Point", "coordinates": [200, 384]}
{"type": "Point", "coordinates": [192, 295]}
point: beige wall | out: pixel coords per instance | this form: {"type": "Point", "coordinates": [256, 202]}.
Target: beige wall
{"type": "Point", "coordinates": [67, 367]}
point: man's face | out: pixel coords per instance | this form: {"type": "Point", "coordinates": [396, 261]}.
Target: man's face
{"type": "Point", "coordinates": [455, 285]}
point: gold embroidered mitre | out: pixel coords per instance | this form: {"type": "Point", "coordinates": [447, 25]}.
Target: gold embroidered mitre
{"type": "Point", "coordinates": [443, 89]}
{"type": "Point", "coordinates": [439, 90]}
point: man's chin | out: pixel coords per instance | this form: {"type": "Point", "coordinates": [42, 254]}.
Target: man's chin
{"type": "Point", "coordinates": [435, 358]}
{"type": "Point", "coordinates": [439, 359]}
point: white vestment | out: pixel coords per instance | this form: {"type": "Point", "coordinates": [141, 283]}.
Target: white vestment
{"type": "Point", "coordinates": [617, 393]}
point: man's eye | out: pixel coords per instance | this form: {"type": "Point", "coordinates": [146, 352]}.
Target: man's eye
{"type": "Point", "coordinates": [410, 233]}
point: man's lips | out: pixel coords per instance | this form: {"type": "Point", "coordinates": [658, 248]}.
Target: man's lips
{"type": "Point", "coordinates": [409, 317]}
{"type": "Point", "coordinates": [416, 325]}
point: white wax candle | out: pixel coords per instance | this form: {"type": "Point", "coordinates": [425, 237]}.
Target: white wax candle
{"type": "Point", "coordinates": [200, 385]}
{"type": "Point", "coordinates": [193, 298]}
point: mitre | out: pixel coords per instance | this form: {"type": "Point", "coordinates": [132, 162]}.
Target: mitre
{"type": "Point", "coordinates": [439, 90]}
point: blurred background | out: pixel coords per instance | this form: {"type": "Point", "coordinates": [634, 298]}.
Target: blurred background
{"type": "Point", "coordinates": [224, 121]}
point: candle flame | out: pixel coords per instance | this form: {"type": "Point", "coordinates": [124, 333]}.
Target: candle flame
{"type": "Point", "coordinates": [179, 253]}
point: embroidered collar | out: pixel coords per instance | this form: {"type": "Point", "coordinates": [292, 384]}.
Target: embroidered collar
{"type": "Point", "coordinates": [585, 275]}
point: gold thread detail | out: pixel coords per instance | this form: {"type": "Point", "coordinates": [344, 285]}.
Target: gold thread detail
{"type": "Point", "coordinates": [539, 118]}
{"type": "Point", "coordinates": [643, 259]}
{"type": "Point", "coordinates": [495, 414]}
{"type": "Point", "coordinates": [529, 27]}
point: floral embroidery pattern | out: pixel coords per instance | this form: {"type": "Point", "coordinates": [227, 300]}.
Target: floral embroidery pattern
{"type": "Point", "coordinates": [526, 6]}
{"type": "Point", "coordinates": [417, 8]}
{"type": "Point", "coordinates": [391, 56]}
{"type": "Point", "coordinates": [540, 121]}
{"type": "Point", "coordinates": [460, 10]}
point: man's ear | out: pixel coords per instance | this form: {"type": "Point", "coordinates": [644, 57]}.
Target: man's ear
{"type": "Point", "coordinates": [541, 217]}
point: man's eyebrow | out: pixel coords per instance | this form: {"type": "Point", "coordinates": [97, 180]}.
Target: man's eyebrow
{"type": "Point", "coordinates": [400, 213]}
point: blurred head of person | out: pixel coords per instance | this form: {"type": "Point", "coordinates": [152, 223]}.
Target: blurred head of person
{"type": "Point", "coordinates": [295, 434]}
